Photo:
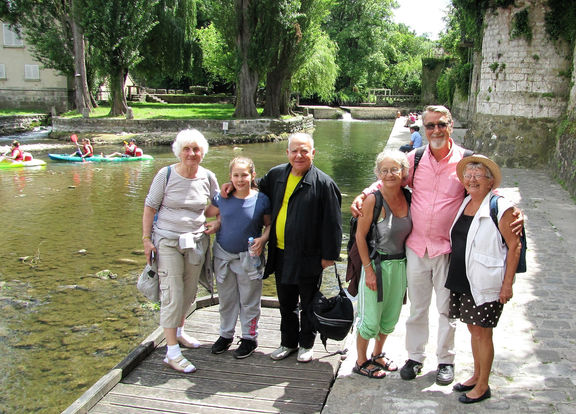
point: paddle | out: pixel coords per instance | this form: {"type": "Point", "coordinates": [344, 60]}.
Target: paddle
{"type": "Point", "coordinates": [74, 139]}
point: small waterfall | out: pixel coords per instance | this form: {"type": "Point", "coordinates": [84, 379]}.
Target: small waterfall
{"type": "Point", "coordinates": [346, 116]}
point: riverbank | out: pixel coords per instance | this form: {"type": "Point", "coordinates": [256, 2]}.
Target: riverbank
{"type": "Point", "coordinates": [534, 365]}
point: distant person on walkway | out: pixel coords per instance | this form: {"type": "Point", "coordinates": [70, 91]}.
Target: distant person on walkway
{"type": "Point", "coordinates": [243, 214]}
{"type": "Point", "coordinates": [415, 139]}
{"type": "Point", "coordinates": [130, 150]}
{"type": "Point", "coordinates": [179, 239]}
{"type": "Point", "coordinates": [482, 267]}
{"type": "Point", "coordinates": [305, 238]}
{"type": "Point", "coordinates": [383, 281]}
{"type": "Point", "coordinates": [87, 150]}
{"type": "Point", "coordinates": [436, 197]}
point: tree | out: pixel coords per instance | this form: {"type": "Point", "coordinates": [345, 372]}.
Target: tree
{"type": "Point", "coordinates": [58, 42]}
{"type": "Point", "coordinates": [359, 28]}
{"type": "Point", "coordinates": [291, 32]}
{"type": "Point", "coordinates": [318, 73]}
{"type": "Point", "coordinates": [217, 58]}
{"type": "Point", "coordinates": [166, 51]}
{"type": "Point", "coordinates": [117, 29]}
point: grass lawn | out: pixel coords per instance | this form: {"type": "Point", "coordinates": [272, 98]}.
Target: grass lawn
{"type": "Point", "coordinates": [150, 110]}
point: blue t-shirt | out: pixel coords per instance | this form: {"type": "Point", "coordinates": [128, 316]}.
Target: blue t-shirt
{"type": "Point", "coordinates": [240, 219]}
{"type": "Point", "coordinates": [416, 139]}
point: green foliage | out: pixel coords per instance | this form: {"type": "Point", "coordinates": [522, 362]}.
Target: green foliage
{"type": "Point", "coordinates": [494, 66]}
{"type": "Point", "coordinates": [559, 20]}
{"type": "Point", "coordinates": [166, 50]}
{"type": "Point", "coordinates": [445, 87]}
{"type": "Point", "coordinates": [217, 58]}
{"type": "Point", "coordinates": [46, 26]}
{"type": "Point", "coordinates": [317, 75]}
{"type": "Point", "coordinates": [117, 29]}
{"type": "Point", "coordinates": [520, 25]}
{"type": "Point", "coordinates": [374, 52]}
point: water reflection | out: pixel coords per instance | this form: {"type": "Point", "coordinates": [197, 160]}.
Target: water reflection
{"type": "Point", "coordinates": [62, 326]}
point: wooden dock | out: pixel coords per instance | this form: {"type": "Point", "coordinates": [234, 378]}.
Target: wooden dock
{"type": "Point", "coordinates": [221, 384]}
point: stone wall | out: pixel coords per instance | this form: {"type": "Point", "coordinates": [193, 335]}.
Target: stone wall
{"type": "Point", "coordinates": [563, 161]}
{"type": "Point", "coordinates": [234, 130]}
{"type": "Point", "coordinates": [520, 92]}
{"type": "Point", "coordinates": [20, 123]}
{"type": "Point", "coordinates": [36, 99]}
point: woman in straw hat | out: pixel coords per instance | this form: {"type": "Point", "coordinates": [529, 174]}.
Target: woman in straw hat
{"type": "Point", "coordinates": [482, 267]}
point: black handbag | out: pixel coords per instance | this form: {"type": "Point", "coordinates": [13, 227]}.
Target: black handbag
{"type": "Point", "coordinates": [332, 317]}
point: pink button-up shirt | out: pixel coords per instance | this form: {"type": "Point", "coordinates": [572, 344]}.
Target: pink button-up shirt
{"type": "Point", "coordinates": [436, 197]}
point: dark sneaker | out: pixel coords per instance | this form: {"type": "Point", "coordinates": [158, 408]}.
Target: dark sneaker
{"type": "Point", "coordinates": [410, 369]}
{"type": "Point", "coordinates": [445, 374]}
{"type": "Point", "coordinates": [246, 348]}
{"type": "Point", "coordinates": [221, 345]}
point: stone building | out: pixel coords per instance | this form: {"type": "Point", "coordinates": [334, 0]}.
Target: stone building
{"type": "Point", "coordinates": [24, 83]}
{"type": "Point", "coordinates": [520, 106]}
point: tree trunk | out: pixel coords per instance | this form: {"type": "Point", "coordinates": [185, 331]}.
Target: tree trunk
{"type": "Point", "coordinates": [246, 92]}
{"type": "Point", "coordinates": [118, 105]}
{"type": "Point", "coordinates": [248, 77]}
{"type": "Point", "coordinates": [82, 97]}
{"type": "Point", "coordinates": [274, 82]}
{"type": "Point", "coordinates": [285, 105]}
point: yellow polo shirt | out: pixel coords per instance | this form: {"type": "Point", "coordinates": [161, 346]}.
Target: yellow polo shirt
{"type": "Point", "coordinates": [281, 219]}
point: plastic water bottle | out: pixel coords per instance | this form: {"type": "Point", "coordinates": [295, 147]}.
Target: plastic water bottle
{"type": "Point", "coordinates": [253, 256]}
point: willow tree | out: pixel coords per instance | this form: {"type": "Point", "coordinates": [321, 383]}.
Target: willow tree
{"type": "Point", "coordinates": [360, 28]}
{"type": "Point", "coordinates": [117, 29]}
{"type": "Point", "coordinates": [166, 50]}
{"type": "Point", "coordinates": [238, 21]}
{"type": "Point", "coordinates": [291, 33]}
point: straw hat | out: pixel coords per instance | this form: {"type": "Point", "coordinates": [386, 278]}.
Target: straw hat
{"type": "Point", "coordinates": [487, 162]}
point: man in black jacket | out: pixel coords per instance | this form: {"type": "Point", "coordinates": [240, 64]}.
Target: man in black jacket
{"type": "Point", "coordinates": [305, 238]}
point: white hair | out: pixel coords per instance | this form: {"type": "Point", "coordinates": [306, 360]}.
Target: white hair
{"type": "Point", "coordinates": [397, 156]}
{"type": "Point", "coordinates": [302, 136]}
{"type": "Point", "coordinates": [187, 137]}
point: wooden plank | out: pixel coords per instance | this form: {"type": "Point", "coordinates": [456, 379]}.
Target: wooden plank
{"type": "Point", "coordinates": [151, 376]}
{"type": "Point", "coordinates": [222, 383]}
{"type": "Point", "coordinates": [138, 396]}
{"type": "Point", "coordinates": [280, 392]}
{"type": "Point", "coordinates": [95, 393]}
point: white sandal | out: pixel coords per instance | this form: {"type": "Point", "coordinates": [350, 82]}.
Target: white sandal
{"type": "Point", "coordinates": [180, 364]}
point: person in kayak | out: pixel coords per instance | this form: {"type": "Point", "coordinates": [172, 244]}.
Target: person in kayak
{"type": "Point", "coordinates": [87, 150]}
{"type": "Point", "coordinates": [130, 150]}
{"type": "Point", "coordinates": [17, 154]}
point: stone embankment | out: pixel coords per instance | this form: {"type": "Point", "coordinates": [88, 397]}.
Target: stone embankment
{"type": "Point", "coordinates": [21, 123]}
{"type": "Point", "coordinates": [162, 131]}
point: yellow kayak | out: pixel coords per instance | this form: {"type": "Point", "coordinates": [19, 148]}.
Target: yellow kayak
{"type": "Point", "coordinates": [21, 164]}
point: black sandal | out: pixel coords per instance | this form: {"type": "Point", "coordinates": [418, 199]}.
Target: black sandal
{"type": "Point", "coordinates": [369, 372]}
{"type": "Point", "coordinates": [387, 362]}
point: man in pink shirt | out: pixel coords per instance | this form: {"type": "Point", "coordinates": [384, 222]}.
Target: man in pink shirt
{"type": "Point", "coordinates": [436, 197]}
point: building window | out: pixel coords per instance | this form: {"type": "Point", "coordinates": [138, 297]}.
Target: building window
{"type": "Point", "coordinates": [31, 72]}
{"type": "Point", "coordinates": [11, 38]}
{"type": "Point", "coordinates": [2, 71]}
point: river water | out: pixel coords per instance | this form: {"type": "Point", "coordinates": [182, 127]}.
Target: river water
{"type": "Point", "coordinates": [63, 323]}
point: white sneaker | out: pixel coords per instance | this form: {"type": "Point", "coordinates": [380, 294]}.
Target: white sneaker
{"type": "Point", "coordinates": [282, 353]}
{"type": "Point", "coordinates": [305, 355]}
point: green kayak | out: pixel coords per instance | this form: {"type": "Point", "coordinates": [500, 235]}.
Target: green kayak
{"type": "Point", "coordinates": [97, 158]}
{"type": "Point", "coordinates": [21, 164]}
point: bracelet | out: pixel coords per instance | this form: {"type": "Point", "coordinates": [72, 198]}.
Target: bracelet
{"type": "Point", "coordinates": [367, 265]}
{"type": "Point", "coordinates": [146, 237]}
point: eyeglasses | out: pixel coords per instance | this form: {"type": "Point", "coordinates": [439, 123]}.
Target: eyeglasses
{"type": "Point", "coordinates": [393, 170]}
{"type": "Point", "coordinates": [475, 176]}
{"type": "Point", "coordinates": [440, 125]}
